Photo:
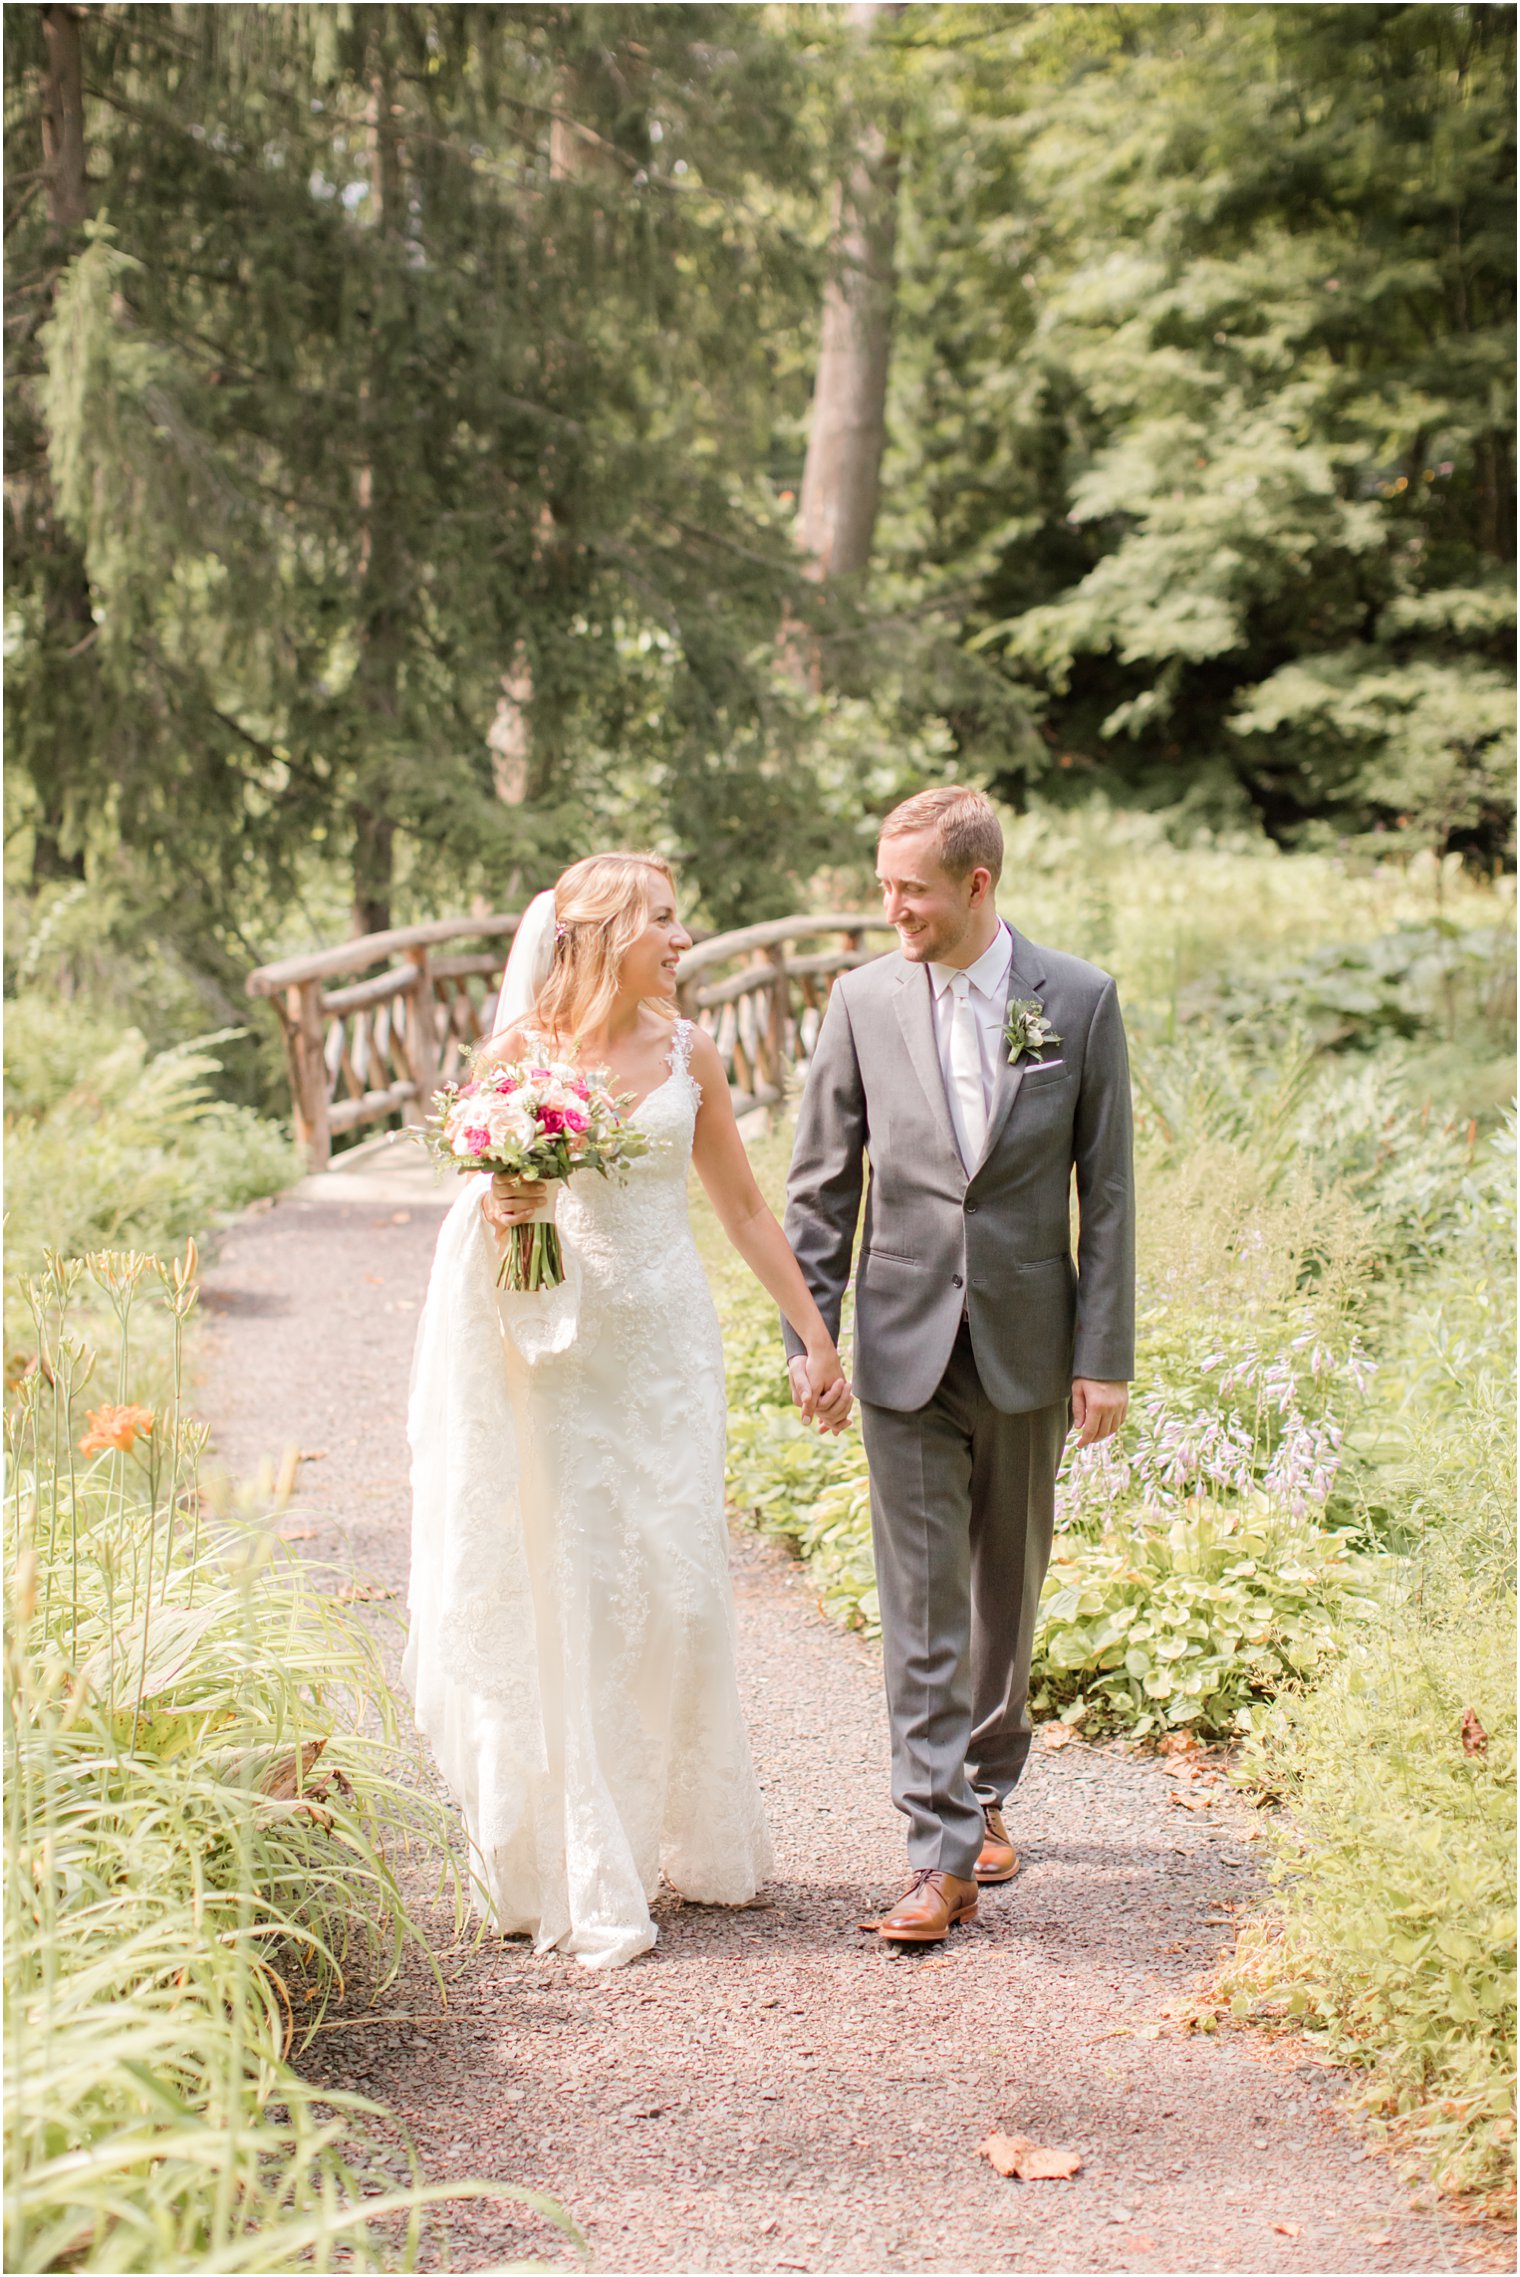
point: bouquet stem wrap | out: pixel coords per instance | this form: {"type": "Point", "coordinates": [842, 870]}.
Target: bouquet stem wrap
{"type": "Point", "coordinates": [534, 1257]}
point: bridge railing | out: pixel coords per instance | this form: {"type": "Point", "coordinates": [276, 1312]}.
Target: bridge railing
{"type": "Point", "coordinates": [409, 1003]}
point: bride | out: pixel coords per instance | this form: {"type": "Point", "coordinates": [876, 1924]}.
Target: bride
{"type": "Point", "coordinates": [571, 1653]}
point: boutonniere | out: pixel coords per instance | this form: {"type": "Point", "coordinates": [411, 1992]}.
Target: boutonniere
{"type": "Point", "coordinates": [1026, 1028]}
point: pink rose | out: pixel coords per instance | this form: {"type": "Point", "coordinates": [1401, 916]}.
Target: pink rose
{"type": "Point", "coordinates": [476, 1138]}
{"type": "Point", "coordinates": [574, 1120]}
{"type": "Point", "coordinates": [551, 1121]}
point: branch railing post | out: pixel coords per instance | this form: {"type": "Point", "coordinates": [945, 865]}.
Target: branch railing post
{"type": "Point", "coordinates": [308, 1070]}
{"type": "Point", "coordinates": [780, 1015]}
{"type": "Point", "coordinates": [422, 1045]}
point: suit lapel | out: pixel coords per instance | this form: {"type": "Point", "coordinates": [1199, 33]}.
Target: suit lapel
{"type": "Point", "coordinates": [915, 1016]}
{"type": "Point", "coordinates": [1026, 976]}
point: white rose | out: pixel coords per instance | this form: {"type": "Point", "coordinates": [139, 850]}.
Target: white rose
{"type": "Point", "coordinates": [507, 1122]}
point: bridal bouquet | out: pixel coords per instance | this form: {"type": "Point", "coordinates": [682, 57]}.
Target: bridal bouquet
{"type": "Point", "coordinates": [538, 1121]}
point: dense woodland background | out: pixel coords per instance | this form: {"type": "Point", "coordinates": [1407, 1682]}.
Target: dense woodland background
{"type": "Point", "coordinates": [423, 466]}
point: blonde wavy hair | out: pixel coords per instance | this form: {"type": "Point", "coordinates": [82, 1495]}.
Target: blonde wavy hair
{"type": "Point", "coordinates": [602, 905]}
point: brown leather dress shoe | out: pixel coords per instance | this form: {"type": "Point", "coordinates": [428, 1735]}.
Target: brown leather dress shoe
{"type": "Point", "coordinates": [999, 1861]}
{"type": "Point", "coordinates": [929, 1908]}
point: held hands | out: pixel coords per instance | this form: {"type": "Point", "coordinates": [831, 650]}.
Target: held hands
{"type": "Point", "coordinates": [511, 1201]}
{"type": "Point", "coordinates": [1097, 1409]}
{"type": "Point", "coordinates": [821, 1389]}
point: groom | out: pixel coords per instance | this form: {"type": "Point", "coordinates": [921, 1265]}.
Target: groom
{"type": "Point", "coordinates": [977, 1073]}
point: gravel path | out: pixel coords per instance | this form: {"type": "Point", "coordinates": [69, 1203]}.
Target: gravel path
{"type": "Point", "coordinates": [771, 2090]}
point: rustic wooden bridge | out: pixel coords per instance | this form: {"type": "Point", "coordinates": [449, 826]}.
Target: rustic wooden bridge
{"type": "Point", "coordinates": [407, 1005]}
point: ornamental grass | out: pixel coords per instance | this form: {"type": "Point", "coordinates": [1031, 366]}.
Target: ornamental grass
{"type": "Point", "coordinates": [203, 1826]}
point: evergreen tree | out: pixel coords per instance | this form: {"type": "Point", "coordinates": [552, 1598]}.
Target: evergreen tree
{"type": "Point", "coordinates": [362, 399]}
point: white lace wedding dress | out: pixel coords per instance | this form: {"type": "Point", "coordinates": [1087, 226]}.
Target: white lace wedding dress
{"type": "Point", "coordinates": [571, 1655]}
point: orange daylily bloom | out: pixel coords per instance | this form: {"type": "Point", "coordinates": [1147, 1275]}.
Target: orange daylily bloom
{"type": "Point", "coordinates": [117, 1427]}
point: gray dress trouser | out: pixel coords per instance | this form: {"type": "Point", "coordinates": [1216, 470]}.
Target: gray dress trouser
{"type": "Point", "coordinates": [962, 1513]}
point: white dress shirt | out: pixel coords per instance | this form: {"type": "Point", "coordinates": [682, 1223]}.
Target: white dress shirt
{"type": "Point", "coordinates": [989, 1001]}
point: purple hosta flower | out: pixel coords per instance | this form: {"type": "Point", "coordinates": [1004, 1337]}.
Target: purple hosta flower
{"type": "Point", "coordinates": [1359, 1367]}
{"type": "Point", "coordinates": [1323, 1359]}
{"type": "Point", "coordinates": [1243, 1373]}
{"type": "Point", "coordinates": [1279, 1386]}
{"type": "Point", "coordinates": [1095, 1478]}
{"type": "Point", "coordinates": [1303, 1468]}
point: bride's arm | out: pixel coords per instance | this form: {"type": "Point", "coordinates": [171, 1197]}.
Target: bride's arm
{"type": "Point", "coordinates": [724, 1169]}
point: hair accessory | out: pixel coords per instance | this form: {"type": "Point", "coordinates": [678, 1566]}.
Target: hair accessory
{"type": "Point", "coordinates": [560, 930]}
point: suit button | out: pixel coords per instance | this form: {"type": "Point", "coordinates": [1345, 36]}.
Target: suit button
{"type": "Point", "coordinates": [956, 1281]}
{"type": "Point", "coordinates": [970, 1209]}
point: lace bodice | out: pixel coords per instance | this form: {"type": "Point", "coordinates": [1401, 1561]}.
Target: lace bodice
{"type": "Point", "coordinates": [631, 1231]}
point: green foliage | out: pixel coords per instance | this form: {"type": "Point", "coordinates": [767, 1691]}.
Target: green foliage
{"type": "Point", "coordinates": [1193, 1622]}
{"type": "Point", "coordinates": [1178, 913]}
{"type": "Point", "coordinates": [1350, 1142]}
{"type": "Point", "coordinates": [1208, 399]}
{"type": "Point", "coordinates": [202, 1825]}
{"type": "Point", "coordinates": [1358, 994]}
{"type": "Point", "coordinates": [1393, 1932]}
{"type": "Point", "coordinates": [1393, 1935]}
{"type": "Point", "coordinates": [108, 1144]}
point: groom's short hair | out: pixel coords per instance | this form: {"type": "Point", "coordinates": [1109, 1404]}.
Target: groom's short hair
{"type": "Point", "coordinates": [967, 833]}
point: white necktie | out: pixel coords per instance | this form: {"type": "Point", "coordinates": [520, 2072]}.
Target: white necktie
{"type": "Point", "coordinates": [966, 1071]}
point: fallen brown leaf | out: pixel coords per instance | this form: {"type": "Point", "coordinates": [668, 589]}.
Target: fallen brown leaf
{"type": "Point", "coordinates": [1140, 2243]}
{"type": "Point", "coordinates": [296, 1533]}
{"type": "Point", "coordinates": [1286, 2229]}
{"type": "Point", "coordinates": [1057, 1735]}
{"type": "Point", "coordinates": [287, 1774]}
{"type": "Point", "coordinates": [314, 1454]}
{"type": "Point", "coordinates": [1474, 1737]}
{"type": "Point", "coordinates": [364, 1593]}
{"type": "Point", "coordinates": [1016, 2158]}
{"type": "Point", "coordinates": [1119, 2032]}
{"type": "Point", "coordinates": [1191, 1802]}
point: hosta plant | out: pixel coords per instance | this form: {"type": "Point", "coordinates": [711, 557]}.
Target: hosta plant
{"type": "Point", "coordinates": [1191, 1621]}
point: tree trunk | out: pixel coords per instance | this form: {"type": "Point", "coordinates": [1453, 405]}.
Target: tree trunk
{"type": "Point", "coordinates": [836, 517]}
{"type": "Point", "coordinates": [68, 611]}
{"type": "Point", "coordinates": [382, 562]}
{"type": "Point", "coordinates": [63, 122]}
{"type": "Point", "coordinates": [373, 867]}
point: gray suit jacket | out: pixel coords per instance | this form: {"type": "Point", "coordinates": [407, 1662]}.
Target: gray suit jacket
{"type": "Point", "coordinates": [998, 1243]}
